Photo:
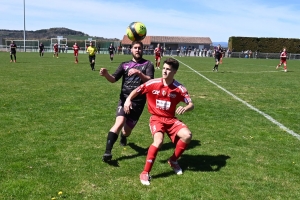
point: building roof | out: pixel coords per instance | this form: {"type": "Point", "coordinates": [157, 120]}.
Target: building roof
{"type": "Point", "coordinates": [126, 41]}
{"type": "Point", "coordinates": [170, 39]}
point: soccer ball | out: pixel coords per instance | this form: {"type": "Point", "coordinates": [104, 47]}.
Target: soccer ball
{"type": "Point", "coordinates": [136, 31]}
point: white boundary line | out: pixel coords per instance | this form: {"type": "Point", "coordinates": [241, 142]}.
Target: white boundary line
{"type": "Point", "coordinates": [247, 104]}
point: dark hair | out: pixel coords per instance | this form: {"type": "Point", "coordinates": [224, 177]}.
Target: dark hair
{"type": "Point", "coordinates": [137, 42]}
{"type": "Point", "coordinates": [172, 62]}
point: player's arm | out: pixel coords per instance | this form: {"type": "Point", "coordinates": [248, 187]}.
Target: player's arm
{"type": "Point", "coordinates": [108, 76]}
{"type": "Point", "coordinates": [137, 72]}
{"type": "Point", "coordinates": [182, 109]}
{"type": "Point", "coordinates": [127, 104]}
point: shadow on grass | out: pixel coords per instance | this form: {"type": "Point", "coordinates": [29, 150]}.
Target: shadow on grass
{"type": "Point", "coordinates": [202, 163]}
{"type": "Point", "coordinates": [166, 146]}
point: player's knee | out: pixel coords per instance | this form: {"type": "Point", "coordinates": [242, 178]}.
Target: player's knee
{"type": "Point", "coordinates": [126, 131]}
{"type": "Point", "coordinates": [158, 139]}
{"type": "Point", "coordinates": [186, 136]}
{"type": "Point", "coordinates": [157, 143]}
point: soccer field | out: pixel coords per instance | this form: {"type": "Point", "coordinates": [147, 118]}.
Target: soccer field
{"type": "Point", "coordinates": [55, 115]}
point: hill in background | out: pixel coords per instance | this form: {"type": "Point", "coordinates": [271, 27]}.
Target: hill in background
{"type": "Point", "coordinates": [48, 34]}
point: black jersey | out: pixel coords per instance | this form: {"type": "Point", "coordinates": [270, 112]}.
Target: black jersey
{"type": "Point", "coordinates": [13, 48]}
{"type": "Point", "coordinates": [41, 47]}
{"type": "Point", "coordinates": [129, 83]}
{"type": "Point", "coordinates": [111, 49]}
{"type": "Point", "coordinates": [218, 52]}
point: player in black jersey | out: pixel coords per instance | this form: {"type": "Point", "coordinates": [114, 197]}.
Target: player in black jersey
{"type": "Point", "coordinates": [41, 48]}
{"type": "Point", "coordinates": [217, 54]}
{"type": "Point", "coordinates": [13, 51]}
{"type": "Point", "coordinates": [133, 73]}
{"type": "Point", "coordinates": [111, 50]}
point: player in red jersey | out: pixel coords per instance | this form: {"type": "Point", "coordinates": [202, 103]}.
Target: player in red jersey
{"type": "Point", "coordinates": [157, 55]}
{"type": "Point", "coordinates": [55, 49]}
{"type": "Point", "coordinates": [283, 56]}
{"type": "Point", "coordinates": [76, 48]}
{"type": "Point", "coordinates": [163, 95]}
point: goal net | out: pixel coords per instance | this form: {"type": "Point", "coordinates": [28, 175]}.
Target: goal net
{"type": "Point", "coordinates": [60, 40]}
{"type": "Point", "coordinates": [30, 45]}
{"type": "Point", "coordinates": [294, 56]}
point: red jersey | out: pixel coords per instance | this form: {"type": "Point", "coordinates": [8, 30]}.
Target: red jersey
{"type": "Point", "coordinates": [283, 55]}
{"type": "Point", "coordinates": [157, 51]}
{"type": "Point", "coordinates": [55, 47]}
{"type": "Point", "coordinates": [162, 100]}
{"type": "Point", "coordinates": [76, 48]}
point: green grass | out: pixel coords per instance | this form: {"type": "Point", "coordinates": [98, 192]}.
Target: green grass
{"type": "Point", "coordinates": [55, 115]}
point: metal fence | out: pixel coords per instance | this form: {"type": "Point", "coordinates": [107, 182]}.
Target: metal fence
{"type": "Point", "coordinates": [126, 51]}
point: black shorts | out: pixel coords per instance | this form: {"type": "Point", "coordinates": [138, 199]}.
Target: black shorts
{"type": "Point", "coordinates": [91, 58]}
{"type": "Point", "coordinates": [133, 117]}
{"type": "Point", "coordinates": [13, 52]}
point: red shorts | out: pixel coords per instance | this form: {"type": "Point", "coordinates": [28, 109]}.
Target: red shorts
{"type": "Point", "coordinates": [157, 57]}
{"type": "Point", "coordinates": [55, 50]}
{"type": "Point", "coordinates": [75, 53]}
{"type": "Point", "coordinates": [171, 126]}
{"type": "Point", "coordinates": [283, 61]}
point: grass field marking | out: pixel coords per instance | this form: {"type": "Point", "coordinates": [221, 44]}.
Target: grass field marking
{"type": "Point", "coordinates": [291, 132]}
{"type": "Point", "coordinates": [235, 72]}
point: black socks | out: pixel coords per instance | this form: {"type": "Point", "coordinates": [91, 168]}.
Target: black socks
{"type": "Point", "coordinates": [111, 139]}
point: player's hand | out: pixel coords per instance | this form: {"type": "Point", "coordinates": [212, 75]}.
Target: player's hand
{"type": "Point", "coordinates": [133, 71]}
{"type": "Point", "coordinates": [180, 110]}
{"type": "Point", "coordinates": [127, 106]}
{"type": "Point", "coordinates": [103, 71]}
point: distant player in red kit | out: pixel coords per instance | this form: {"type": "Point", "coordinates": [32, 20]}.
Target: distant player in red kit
{"type": "Point", "coordinates": [157, 54]}
{"type": "Point", "coordinates": [163, 95]}
{"type": "Point", "coordinates": [55, 49]}
{"type": "Point", "coordinates": [283, 56]}
{"type": "Point", "coordinates": [76, 49]}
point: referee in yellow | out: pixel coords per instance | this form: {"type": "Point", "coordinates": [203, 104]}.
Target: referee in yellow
{"type": "Point", "coordinates": [91, 50]}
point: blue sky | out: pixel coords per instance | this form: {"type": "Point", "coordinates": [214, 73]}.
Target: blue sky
{"type": "Point", "coordinates": [216, 19]}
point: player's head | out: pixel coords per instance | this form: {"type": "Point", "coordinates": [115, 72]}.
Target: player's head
{"type": "Point", "coordinates": [137, 42]}
{"type": "Point", "coordinates": [158, 45]}
{"type": "Point", "coordinates": [137, 50]}
{"type": "Point", "coordinates": [12, 41]}
{"type": "Point", "coordinates": [284, 49]}
{"type": "Point", "coordinates": [172, 62]}
{"type": "Point", "coordinates": [91, 43]}
{"type": "Point", "coordinates": [169, 69]}
{"type": "Point", "coordinates": [75, 43]}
